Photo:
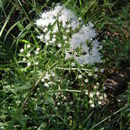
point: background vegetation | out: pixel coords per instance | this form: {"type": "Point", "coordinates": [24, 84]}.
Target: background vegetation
{"type": "Point", "coordinates": [17, 17]}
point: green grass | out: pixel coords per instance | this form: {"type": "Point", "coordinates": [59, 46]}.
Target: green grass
{"type": "Point", "coordinates": [24, 103]}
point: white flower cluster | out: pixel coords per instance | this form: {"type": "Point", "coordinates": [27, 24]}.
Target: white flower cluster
{"type": "Point", "coordinates": [47, 79]}
{"type": "Point", "coordinates": [62, 14]}
{"type": "Point", "coordinates": [27, 55]}
{"type": "Point", "coordinates": [96, 97]}
{"type": "Point", "coordinates": [81, 36]}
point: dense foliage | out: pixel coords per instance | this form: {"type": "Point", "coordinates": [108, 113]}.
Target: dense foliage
{"type": "Point", "coordinates": [52, 72]}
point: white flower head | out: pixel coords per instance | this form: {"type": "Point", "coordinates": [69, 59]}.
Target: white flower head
{"type": "Point", "coordinates": [36, 52]}
{"type": "Point", "coordinates": [36, 63]}
{"type": "Point", "coordinates": [42, 79]}
{"type": "Point", "coordinates": [45, 29]}
{"type": "Point", "coordinates": [92, 105]}
{"type": "Point", "coordinates": [102, 70]}
{"type": "Point", "coordinates": [95, 76]}
{"type": "Point", "coordinates": [28, 54]}
{"type": "Point", "coordinates": [101, 97]}
{"type": "Point", "coordinates": [91, 95]}
{"type": "Point", "coordinates": [28, 46]}
{"type": "Point", "coordinates": [59, 45]}
{"type": "Point", "coordinates": [90, 101]}
{"type": "Point", "coordinates": [97, 93]}
{"type": "Point", "coordinates": [86, 92]}
{"type": "Point", "coordinates": [73, 64]}
{"type": "Point", "coordinates": [105, 96]}
{"type": "Point", "coordinates": [29, 64]}
{"type": "Point", "coordinates": [64, 37]}
{"type": "Point", "coordinates": [86, 80]}
{"type": "Point", "coordinates": [67, 56]}
{"type": "Point", "coordinates": [80, 76]}
{"type": "Point", "coordinates": [95, 87]}
{"type": "Point", "coordinates": [99, 102]}
{"type": "Point", "coordinates": [38, 49]}
{"type": "Point", "coordinates": [24, 59]}
{"type": "Point", "coordinates": [21, 50]}
{"type": "Point", "coordinates": [96, 69]}
{"type": "Point", "coordinates": [46, 85]}
{"type": "Point", "coordinates": [67, 30]}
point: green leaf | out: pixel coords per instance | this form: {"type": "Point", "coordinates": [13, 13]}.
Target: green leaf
{"type": "Point", "coordinates": [20, 26]}
{"type": "Point", "coordinates": [49, 99]}
{"type": "Point", "coordinates": [26, 86]}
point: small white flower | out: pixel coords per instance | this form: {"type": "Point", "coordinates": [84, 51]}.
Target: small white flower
{"type": "Point", "coordinates": [68, 26]}
{"type": "Point", "coordinates": [67, 55]}
{"type": "Point", "coordinates": [67, 30]}
{"type": "Point", "coordinates": [53, 74]}
{"type": "Point", "coordinates": [92, 105]}
{"type": "Point", "coordinates": [86, 80]}
{"type": "Point", "coordinates": [99, 102]}
{"type": "Point", "coordinates": [66, 41]}
{"type": "Point", "coordinates": [79, 18]}
{"type": "Point", "coordinates": [56, 108]}
{"type": "Point", "coordinates": [24, 59]}
{"type": "Point", "coordinates": [48, 43]}
{"type": "Point", "coordinates": [91, 95]}
{"type": "Point", "coordinates": [59, 45]}
{"type": "Point", "coordinates": [73, 64]}
{"type": "Point", "coordinates": [64, 37]}
{"type": "Point", "coordinates": [86, 92]}
{"type": "Point", "coordinates": [54, 36]}
{"type": "Point", "coordinates": [36, 63]}
{"type": "Point", "coordinates": [90, 101]}
{"type": "Point", "coordinates": [105, 96]}
{"type": "Point", "coordinates": [65, 103]}
{"type": "Point", "coordinates": [42, 79]}
{"type": "Point", "coordinates": [65, 98]}
{"type": "Point", "coordinates": [40, 37]}
{"type": "Point", "coordinates": [28, 55]}
{"type": "Point", "coordinates": [46, 85]}
{"type": "Point", "coordinates": [71, 103]}
{"type": "Point", "coordinates": [47, 76]}
{"type": "Point", "coordinates": [97, 83]}
{"type": "Point", "coordinates": [96, 69]}
{"type": "Point", "coordinates": [104, 88]}
{"type": "Point", "coordinates": [80, 76]}
{"type": "Point", "coordinates": [95, 76]}
{"type": "Point", "coordinates": [29, 64]}
{"type": "Point", "coordinates": [95, 87]}
{"type": "Point", "coordinates": [50, 83]}
{"type": "Point", "coordinates": [101, 97]}
{"type": "Point", "coordinates": [102, 70]}
{"type": "Point", "coordinates": [90, 74]}
{"type": "Point", "coordinates": [36, 52]}
{"type": "Point", "coordinates": [53, 39]}
{"type": "Point", "coordinates": [58, 103]}
{"type": "Point", "coordinates": [38, 49]}
{"type": "Point", "coordinates": [75, 53]}
{"type": "Point", "coordinates": [28, 46]}
{"type": "Point", "coordinates": [21, 50]}
{"type": "Point", "coordinates": [97, 93]}
{"type": "Point", "coordinates": [45, 29]}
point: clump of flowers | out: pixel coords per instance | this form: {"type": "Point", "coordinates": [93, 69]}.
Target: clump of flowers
{"type": "Point", "coordinates": [65, 36]}
{"type": "Point", "coordinates": [62, 28]}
